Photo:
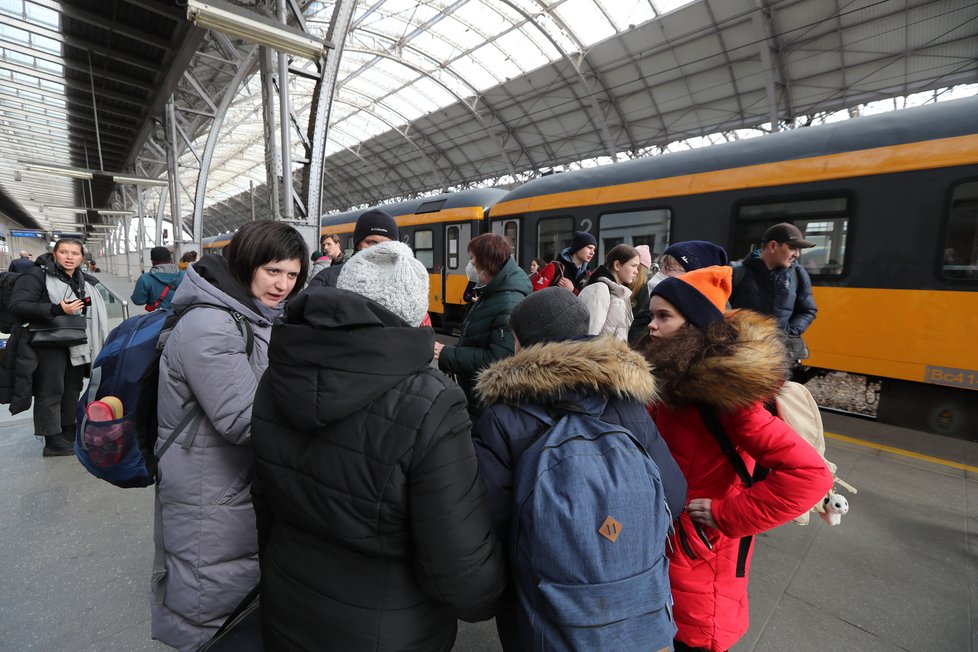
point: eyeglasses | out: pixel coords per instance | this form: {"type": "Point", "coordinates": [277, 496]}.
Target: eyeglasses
{"type": "Point", "coordinates": [673, 271]}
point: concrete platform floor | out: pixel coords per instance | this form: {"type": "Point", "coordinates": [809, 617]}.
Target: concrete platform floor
{"type": "Point", "coordinates": [900, 573]}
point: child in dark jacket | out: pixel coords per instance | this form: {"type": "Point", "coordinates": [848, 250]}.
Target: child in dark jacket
{"type": "Point", "coordinates": [556, 361]}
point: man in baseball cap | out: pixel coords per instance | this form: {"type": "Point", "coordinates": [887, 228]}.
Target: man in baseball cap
{"type": "Point", "coordinates": [773, 283]}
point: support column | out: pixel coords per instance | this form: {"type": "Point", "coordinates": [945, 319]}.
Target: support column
{"type": "Point", "coordinates": [284, 117]}
{"type": "Point", "coordinates": [273, 160]}
{"type": "Point", "coordinates": [126, 221]}
{"type": "Point", "coordinates": [314, 172]}
{"type": "Point", "coordinates": [173, 174]}
{"type": "Point", "coordinates": [141, 230]}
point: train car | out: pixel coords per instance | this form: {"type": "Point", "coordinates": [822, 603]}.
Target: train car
{"type": "Point", "coordinates": [891, 200]}
{"type": "Point", "coordinates": [438, 229]}
{"type": "Point", "coordinates": [215, 244]}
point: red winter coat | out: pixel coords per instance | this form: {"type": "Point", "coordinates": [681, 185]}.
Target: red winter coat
{"type": "Point", "coordinates": [710, 600]}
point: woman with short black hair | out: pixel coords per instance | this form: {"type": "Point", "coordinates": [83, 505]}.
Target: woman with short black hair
{"type": "Point", "coordinates": [209, 371]}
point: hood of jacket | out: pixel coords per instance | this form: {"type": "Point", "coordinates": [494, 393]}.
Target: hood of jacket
{"type": "Point", "coordinates": [336, 352]}
{"type": "Point", "coordinates": [544, 372]}
{"type": "Point", "coordinates": [165, 272]}
{"type": "Point", "coordinates": [210, 282]}
{"type": "Point", "coordinates": [565, 256]}
{"type": "Point", "coordinates": [752, 368]}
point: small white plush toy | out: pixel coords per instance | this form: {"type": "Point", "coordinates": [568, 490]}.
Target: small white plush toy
{"type": "Point", "coordinates": [832, 508]}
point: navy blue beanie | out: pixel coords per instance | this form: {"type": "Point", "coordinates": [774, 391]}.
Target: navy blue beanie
{"type": "Point", "coordinates": [374, 223]}
{"type": "Point", "coordinates": [582, 239]}
{"type": "Point", "coordinates": [696, 254]}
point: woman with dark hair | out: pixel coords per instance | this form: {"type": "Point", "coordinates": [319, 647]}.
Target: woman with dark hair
{"type": "Point", "coordinates": [53, 289]}
{"type": "Point", "coordinates": [209, 371]}
{"type": "Point", "coordinates": [485, 335]}
{"type": "Point", "coordinates": [722, 368]}
{"type": "Point", "coordinates": [536, 265]}
{"type": "Point", "coordinates": [608, 294]}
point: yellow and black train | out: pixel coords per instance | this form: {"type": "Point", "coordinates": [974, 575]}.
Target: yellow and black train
{"type": "Point", "coordinates": [891, 200]}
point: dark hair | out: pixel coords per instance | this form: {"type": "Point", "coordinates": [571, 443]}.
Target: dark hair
{"type": "Point", "coordinates": [258, 243]}
{"type": "Point", "coordinates": [620, 254]}
{"type": "Point", "coordinates": [331, 236]}
{"type": "Point", "coordinates": [491, 251]}
{"type": "Point", "coordinates": [188, 257]}
{"type": "Point", "coordinates": [74, 241]}
{"type": "Point", "coordinates": [541, 263]}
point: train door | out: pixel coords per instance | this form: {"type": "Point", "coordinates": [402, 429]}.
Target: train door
{"type": "Point", "coordinates": [509, 229]}
{"type": "Point", "coordinates": [453, 279]}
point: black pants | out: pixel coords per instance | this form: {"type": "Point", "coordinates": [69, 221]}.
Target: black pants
{"type": "Point", "coordinates": [57, 386]}
{"type": "Point", "coordinates": [679, 646]}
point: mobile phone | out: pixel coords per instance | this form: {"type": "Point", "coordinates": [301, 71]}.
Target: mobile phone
{"type": "Point", "coordinates": [87, 301]}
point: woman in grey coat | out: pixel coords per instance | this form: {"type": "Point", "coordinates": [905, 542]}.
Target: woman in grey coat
{"type": "Point", "coordinates": [208, 529]}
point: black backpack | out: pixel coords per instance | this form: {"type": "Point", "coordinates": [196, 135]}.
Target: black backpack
{"type": "Point", "coordinates": [7, 280]}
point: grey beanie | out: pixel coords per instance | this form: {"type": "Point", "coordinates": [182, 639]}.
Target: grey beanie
{"type": "Point", "coordinates": [549, 315]}
{"type": "Point", "coordinates": [389, 274]}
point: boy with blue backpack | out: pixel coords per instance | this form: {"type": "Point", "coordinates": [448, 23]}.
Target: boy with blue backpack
{"type": "Point", "coordinates": [582, 489]}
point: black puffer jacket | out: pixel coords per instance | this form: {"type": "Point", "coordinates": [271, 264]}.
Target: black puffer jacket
{"type": "Point", "coordinates": [29, 301]}
{"type": "Point", "coordinates": [374, 531]}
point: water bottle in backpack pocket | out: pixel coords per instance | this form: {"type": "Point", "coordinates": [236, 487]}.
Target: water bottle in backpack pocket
{"type": "Point", "coordinates": [590, 523]}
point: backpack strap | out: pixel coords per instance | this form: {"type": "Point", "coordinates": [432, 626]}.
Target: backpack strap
{"type": "Point", "coordinates": [712, 422]}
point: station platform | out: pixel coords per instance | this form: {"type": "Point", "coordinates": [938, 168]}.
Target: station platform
{"type": "Point", "coordinates": [899, 573]}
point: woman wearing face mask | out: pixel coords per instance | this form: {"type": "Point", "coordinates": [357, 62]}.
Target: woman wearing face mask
{"type": "Point", "coordinates": [209, 371]}
{"type": "Point", "coordinates": [607, 295]}
{"type": "Point", "coordinates": [676, 260]}
{"type": "Point", "coordinates": [54, 376]}
{"type": "Point", "coordinates": [726, 364]}
{"type": "Point", "coordinates": [486, 336]}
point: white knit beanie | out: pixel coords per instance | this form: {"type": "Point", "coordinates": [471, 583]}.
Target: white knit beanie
{"type": "Point", "coordinates": [389, 274]}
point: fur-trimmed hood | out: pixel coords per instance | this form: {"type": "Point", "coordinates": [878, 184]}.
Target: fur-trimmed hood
{"type": "Point", "coordinates": [751, 369]}
{"type": "Point", "coordinates": [543, 372]}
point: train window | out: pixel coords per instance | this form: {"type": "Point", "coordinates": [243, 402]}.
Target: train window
{"type": "Point", "coordinates": [423, 248]}
{"type": "Point", "coordinates": [510, 230]}
{"type": "Point", "coordinates": [553, 234]}
{"type": "Point", "coordinates": [451, 242]}
{"type": "Point", "coordinates": [960, 249]}
{"type": "Point", "coordinates": [824, 221]}
{"type": "Point", "coordinates": [430, 206]}
{"type": "Point", "coordinates": [634, 228]}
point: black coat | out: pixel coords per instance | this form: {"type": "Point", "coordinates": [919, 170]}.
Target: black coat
{"type": "Point", "coordinates": [374, 532]}
{"type": "Point", "coordinates": [29, 301]}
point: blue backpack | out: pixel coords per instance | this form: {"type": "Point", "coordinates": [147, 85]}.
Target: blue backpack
{"type": "Point", "coordinates": [121, 451]}
{"type": "Point", "coordinates": [590, 523]}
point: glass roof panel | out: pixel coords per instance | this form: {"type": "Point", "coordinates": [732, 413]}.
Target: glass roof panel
{"type": "Point", "coordinates": [406, 58]}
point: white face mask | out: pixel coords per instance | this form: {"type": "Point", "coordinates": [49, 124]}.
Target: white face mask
{"type": "Point", "coordinates": [659, 277]}
{"type": "Point", "coordinates": [470, 272]}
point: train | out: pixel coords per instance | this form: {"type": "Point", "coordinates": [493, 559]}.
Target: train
{"type": "Point", "coordinates": [891, 201]}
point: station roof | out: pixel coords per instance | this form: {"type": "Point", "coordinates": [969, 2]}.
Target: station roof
{"type": "Point", "coordinates": [446, 94]}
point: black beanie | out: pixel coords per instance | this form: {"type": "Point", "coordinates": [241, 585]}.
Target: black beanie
{"type": "Point", "coordinates": [582, 239]}
{"type": "Point", "coordinates": [549, 315]}
{"type": "Point", "coordinates": [374, 223]}
{"type": "Point", "coordinates": [160, 255]}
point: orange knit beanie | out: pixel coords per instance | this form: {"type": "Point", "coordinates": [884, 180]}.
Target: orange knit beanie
{"type": "Point", "coordinates": [701, 295]}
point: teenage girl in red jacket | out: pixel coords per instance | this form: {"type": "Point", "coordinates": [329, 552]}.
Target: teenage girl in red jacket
{"type": "Point", "coordinates": [732, 364]}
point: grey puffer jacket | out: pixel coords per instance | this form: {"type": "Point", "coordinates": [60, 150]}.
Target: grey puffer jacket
{"type": "Point", "coordinates": [209, 536]}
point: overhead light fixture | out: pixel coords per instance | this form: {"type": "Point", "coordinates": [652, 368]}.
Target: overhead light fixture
{"type": "Point", "coordinates": [82, 209]}
{"type": "Point", "coordinates": [223, 17]}
{"type": "Point", "coordinates": [139, 181]}
{"type": "Point", "coordinates": [102, 211]}
{"type": "Point", "coordinates": [69, 209]}
{"type": "Point", "coordinates": [61, 172]}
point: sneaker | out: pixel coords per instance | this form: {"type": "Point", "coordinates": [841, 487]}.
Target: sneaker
{"type": "Point", "coordinates": [57, 446]}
